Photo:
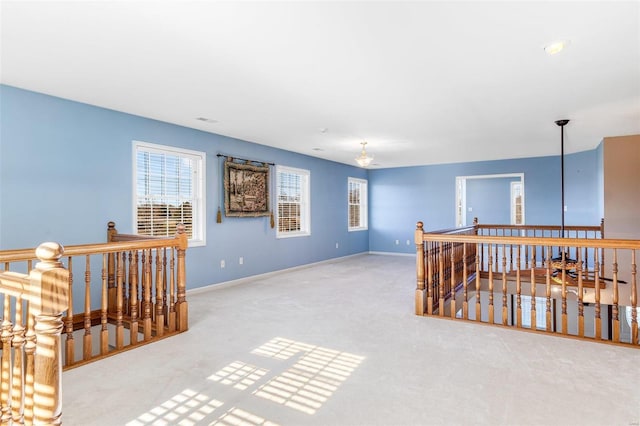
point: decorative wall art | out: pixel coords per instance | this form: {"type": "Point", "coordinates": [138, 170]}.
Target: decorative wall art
{"type": "Point", "coordinates": [246, 189]}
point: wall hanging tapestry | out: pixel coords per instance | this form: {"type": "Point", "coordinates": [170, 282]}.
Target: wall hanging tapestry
{"type": "Point", "coordinates": [246, 189]}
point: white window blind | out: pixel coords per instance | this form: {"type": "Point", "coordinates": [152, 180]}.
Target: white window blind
{"type": "Point", "coordinates": [293, 202]}
{"type": "Point", "coordinates": [357, 195]}
{"type": "Point", "coordinates": [169, 190]}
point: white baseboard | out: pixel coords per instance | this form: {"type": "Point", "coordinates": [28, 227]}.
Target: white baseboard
{"type": "Point", "coordinates": [225, 284]}
{"type": "Point", "coordinates": [391, 253]}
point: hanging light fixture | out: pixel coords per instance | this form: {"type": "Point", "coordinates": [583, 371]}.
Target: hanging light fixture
{"type": "Point", "coordinates": [364, 159]}
{"type": "Point", "coordinates": [563, 261]}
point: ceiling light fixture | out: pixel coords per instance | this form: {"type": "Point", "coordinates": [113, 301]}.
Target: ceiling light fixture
{"type": "Point", "coordinates": [556, 47]}
{"type": "Point", "coordinates": [364, 159]}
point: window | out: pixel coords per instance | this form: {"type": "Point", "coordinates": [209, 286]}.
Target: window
{"type": "Point", "coordinates": [168, 190]}
{"type": "Point", "coordinates": [357, 204]}
{"type": "Point", "coordinates": [292, 187]}
{"type": "Point", "coordinates": [541, 312]}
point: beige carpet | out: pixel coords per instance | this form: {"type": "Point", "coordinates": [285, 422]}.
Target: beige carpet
{"type": "Point", "coordinates": [338, 344]}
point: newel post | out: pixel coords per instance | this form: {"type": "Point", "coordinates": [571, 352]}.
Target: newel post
{"type": "Point", "coordinates": [182, 309]}
{"type": "Point", "coordinates": [111, 231]}
{"type": "Point", "coordinates": [50, 298]}
{"type": "Point", "coordinates": [420, 288]}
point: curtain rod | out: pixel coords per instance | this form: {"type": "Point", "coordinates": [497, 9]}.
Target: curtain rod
{"type": "Point", "coordinates": [244, 159]}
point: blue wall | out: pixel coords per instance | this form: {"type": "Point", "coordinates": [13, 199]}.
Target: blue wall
{"type": "Point", "coordinates": [75, 160]}
{"type": "Point", "coordinates": [66, 170]}
{"type": "Point", "coordinates": [489, 199]}
{"type": "Point", "coordinates": [402, 196]}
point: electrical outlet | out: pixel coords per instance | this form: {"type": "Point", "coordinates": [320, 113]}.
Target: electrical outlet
{"type": "Point", "coordinates": [408, 242]}
{"type": "Point", "coordinates": [222, 264]}
{"type": "Point", "coordinates": [397, 242]}
{"type": "Point", "coordinates": [241, 260]}
{"type": "Point", "coordinates": [337, 245]}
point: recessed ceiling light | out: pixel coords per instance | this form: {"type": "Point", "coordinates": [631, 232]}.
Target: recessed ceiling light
{"type": "Point", "coordinates": [317, 149]}
{"type": "Point", "coordinates": [556, 47]}
{"type": "Point", "coordinates": [206, 120]}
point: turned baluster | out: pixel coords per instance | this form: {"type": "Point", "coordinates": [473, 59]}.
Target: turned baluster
{"type": "Point", "coordinates": [133, 297]}
{"type": "Point", "coordinates": [532, 318]}
{"type": "Point", "coordinates": [431, 270]}
{"type": "Point", "coordinates": [478, 284]}
{"type": "Point", "coordinates": [441, 279]}
{"type": "Point", "coordinates": [491, 307]}
{"type": "Point", "coordinates": [598, 320]}
{"type": "Point", "coordinates": [69, 347]}
{"type": "Point", "coordinates": [126, 283]}
{"type": "Point", "coordinates": [165, 286]}
{"type": "Point", "coordinates": [452, 292]}
{"type": "Point", "coordinates": [505, 310]}
{"type": "Point", "coordinates": [29, 352]}
{"type": "Point", "coordinates": [104, 319]}
{"type": "Point", "coordinates": [182, 309]}
{"type": "Point", "coordinates": [634, 300]}
{"type": "Point", "coordinates": [112, 258]}
{"type": "Point", "coordinates": [6, 333]}
{"type": "Point", "coordinates": [87, 348]}
{"type": "Point", "coordinates": [172, 293]}
{"type": "Point", "coordinates": [465, 279]}
{"type": "Point", "coordinates": [518, 290]}
{"type": "Point", "coordinates": [548, 262]}
{"type": "Point", "coordinates": [146, 295]}
{"type": "Point", "coordinates": [615, 322]}
{"type": "Point", "coordinates": [120, 300]}
{"type": "Point", "coordinates": [159, 312]}
{"type": "Point", "coordinates": [17, 381]}
{"type": "Point", "coordinates": [580, 272]}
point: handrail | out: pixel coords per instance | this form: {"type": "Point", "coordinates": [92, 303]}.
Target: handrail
{"type": "Point", "coordinates": [19, 255]}
{"type": "Point", "coordinates": [545, 241]}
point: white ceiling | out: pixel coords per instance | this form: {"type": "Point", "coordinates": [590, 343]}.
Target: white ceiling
{"type": "Point", "coordinates": [422, 82]}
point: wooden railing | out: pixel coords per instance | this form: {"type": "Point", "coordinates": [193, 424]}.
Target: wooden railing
{"type": "Point", "coordinates": [33, 304]}
{"type": "Point", "coordinates": [565, 285]}
{"type": "Point", "coordinates": [123, 293]}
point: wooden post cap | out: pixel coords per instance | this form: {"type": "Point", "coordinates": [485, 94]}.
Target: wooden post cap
{"type": "Point", "coordinates": [111, 225]}
{"type": "Point", "coordinates": [49, 252]}
{"type": "Point", "coordinates": [419, 225]}
{"type": "Point", "coordinates": [180, 228]}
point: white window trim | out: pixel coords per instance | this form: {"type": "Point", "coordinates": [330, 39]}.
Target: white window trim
{"type": "Point", "coordinates": [199, 187]}
{"type": "Point", "coordinates": [364, 205]}
{"type": "Point", "coordinates": [305, 213]}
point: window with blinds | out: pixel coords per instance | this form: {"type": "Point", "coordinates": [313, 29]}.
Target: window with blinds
{"type": "Point", "coordinates": [292, 188]}
{"type": "Point", "coordinates": [357, 195]}
{"type": "Point", "coordinates": [168, 188]}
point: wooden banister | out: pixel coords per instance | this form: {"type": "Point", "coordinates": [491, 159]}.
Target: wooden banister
{"type": "Point", "coordinates": [132, 290]}
{"type": "Point", "coordinates": [557, 268]}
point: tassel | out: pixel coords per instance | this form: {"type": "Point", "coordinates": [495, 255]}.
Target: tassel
{"type": "Point", "coordinates": [273, 222]}
{"type": "Point", "coordinates": [219, 216]}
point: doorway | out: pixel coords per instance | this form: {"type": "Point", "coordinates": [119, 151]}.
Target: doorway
{"type": "Point", "coordinates": [495, 199]}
